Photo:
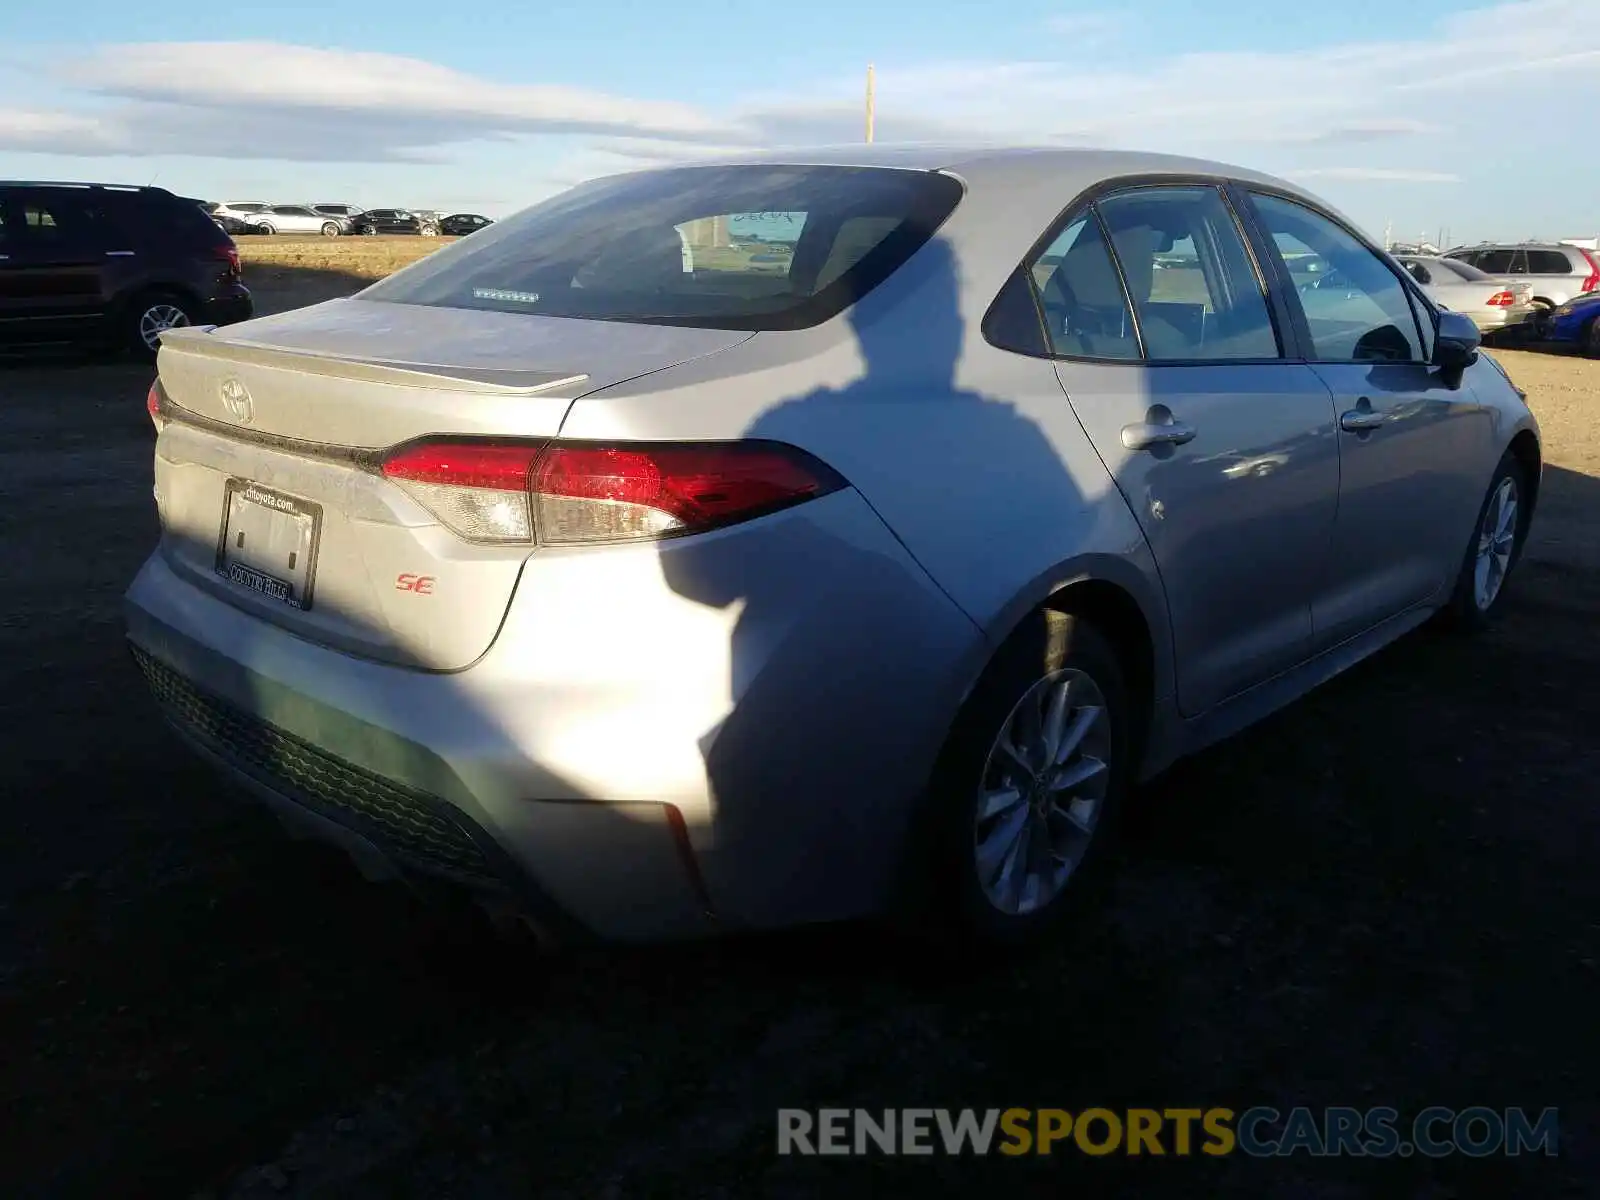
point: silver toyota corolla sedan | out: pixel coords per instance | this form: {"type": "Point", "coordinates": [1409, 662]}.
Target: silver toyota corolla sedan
{"type": "Point", "coordinates": [813, 536]}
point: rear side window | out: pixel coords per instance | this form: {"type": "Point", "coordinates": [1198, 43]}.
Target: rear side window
{"type": "Point", "coordinates": [746, 247]}
{"type": "Point", "coordinates": [1194, 289]}
{"type": "Point", "coordinates": [1416, 270]}
{"type": "Point", "coordinates": [1085, 309]}
{"type": "Point", "coordinates": [146, 217]}
{"type": "Point", "coordinates": [1549, 262]}
{"type": "Point", "coordinates": [1461, 270]}
{"type": "Point", "coordinates": [1495, 262]}
{"type": "Point", "coordinates": [59, 220]}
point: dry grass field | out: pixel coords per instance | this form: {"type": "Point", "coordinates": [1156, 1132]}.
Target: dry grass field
{"type": "Point", "coordinates": [288, 272]}
{"type": "Point", "coordinates": [1385, 895]}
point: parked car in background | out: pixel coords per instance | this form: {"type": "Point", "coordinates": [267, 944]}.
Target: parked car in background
{"type": "Point", "coordinates": [230, 225]}
{"type": "Point", "coordinates": [689, 513]}
{"type": "Point", "coordinates": [239, 209]}
{"type": "Point", "coordinates": [461, 224]}
{"type": "Point", "coordinates": [1575, 324]}
{"type": "Point", "coordinates": [1558, 272]}
{"type": "Point", "coordinates": [391, 220]}
{"type": "Point", "coordinates": [1493, 304]}
{"type": "Point", "coordinates": [110, 263]}
{"type": "Point", "coordinates": [337, 210]}
{"type": "Point", "coordinates": [298, 218]}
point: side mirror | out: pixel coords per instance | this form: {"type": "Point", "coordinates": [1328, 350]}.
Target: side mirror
{"type": "Point", "coordinates": [1455, 347]}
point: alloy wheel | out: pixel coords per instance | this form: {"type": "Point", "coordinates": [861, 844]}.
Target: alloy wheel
{"type": "Point", "coordinates": [157, 319]}
{"type": "Point", "coordinates": [1043, 789]}
{"type": "Point", "coordinates": [1497, 538]}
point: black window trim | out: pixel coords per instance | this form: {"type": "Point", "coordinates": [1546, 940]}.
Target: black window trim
{"type": "Point", "coordinates": [1413, 291]}
{"type": "Point", "coordinates": [1086, 204]}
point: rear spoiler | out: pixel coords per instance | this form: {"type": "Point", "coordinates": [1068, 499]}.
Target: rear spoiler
{"type": "Point", "coordinates": [198, 342]}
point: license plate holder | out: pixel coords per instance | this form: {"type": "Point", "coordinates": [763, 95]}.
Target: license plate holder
{"type": "Point", "coordinates": [268, 542]}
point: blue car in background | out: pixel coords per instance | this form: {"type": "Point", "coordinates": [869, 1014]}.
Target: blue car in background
{"type": "Point", "coordinates": [1576, 323]}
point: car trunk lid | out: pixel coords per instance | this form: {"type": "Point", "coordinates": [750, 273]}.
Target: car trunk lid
{"type": "Point", "coordinates": [266, 466]}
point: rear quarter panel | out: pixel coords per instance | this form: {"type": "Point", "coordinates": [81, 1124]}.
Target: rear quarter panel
{"type": "Point", "coordinates": [971, 455]}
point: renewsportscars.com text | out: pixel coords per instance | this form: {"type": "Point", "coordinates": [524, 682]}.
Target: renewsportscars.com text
{"type": "Point", "coordinates": [1260, 1132]}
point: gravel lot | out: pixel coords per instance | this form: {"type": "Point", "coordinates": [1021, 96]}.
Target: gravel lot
{"type": "Point", "coordinates": [1386, 895]}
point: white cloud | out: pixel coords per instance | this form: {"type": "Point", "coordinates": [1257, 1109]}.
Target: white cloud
{"type": "Point", "coordinates": [306, 79]}
{"type": "Point", "coordinates": [1425, 107]}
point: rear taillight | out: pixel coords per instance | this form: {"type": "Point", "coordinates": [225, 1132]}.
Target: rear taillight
{"type": "Point", "coordinates": [230, 255]}
{"type": "Point", "coordinates": [1592, 283]}
{"type": "Point", "coordinates": [1502, 300]}
{"type": "Point", "coordinates": [576, 492]}
{"type": "Point", "coordinates": [152, 405]}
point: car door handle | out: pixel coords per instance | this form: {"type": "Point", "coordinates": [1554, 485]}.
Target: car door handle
{"type": "Point", "coordinates": [1147, 434]}
{"type": "Point", "coordinates": [1360, 418]}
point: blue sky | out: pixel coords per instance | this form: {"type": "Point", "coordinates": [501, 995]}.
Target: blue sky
{"type": "Point", "coordinates": [1461, 115]}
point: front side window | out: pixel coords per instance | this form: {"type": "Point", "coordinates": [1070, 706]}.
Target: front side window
{"type": "Point", "coordinates": [1356, 308]}
{"type": "Point", "coordinates": [1194, 288]}
{"type": "Point", "coordinates": [746, 247]}
{"type": "Point", "coordinates": [1085, 309]}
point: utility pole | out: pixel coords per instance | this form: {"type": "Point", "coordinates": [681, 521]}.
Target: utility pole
{"type": "Point", "coordinates": [871, 100]}
{"type": "Point", "coordinates": [1388, 235]}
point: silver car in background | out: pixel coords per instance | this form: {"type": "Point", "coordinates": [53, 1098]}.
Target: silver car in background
{"type": "Point", "coordinates": [1494, 304]}
{"type": "Point", "coordinates": [298, 218]}
{"type": "Point", "coordinates": [812, 536]}
{"type": "Point", "coordinates": [1557, 271]}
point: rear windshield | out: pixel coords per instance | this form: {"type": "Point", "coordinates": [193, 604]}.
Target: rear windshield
{"type": "Point", "coordinates": [747, 247]}
{"type": "Point", "coordinates": [1465, 270]}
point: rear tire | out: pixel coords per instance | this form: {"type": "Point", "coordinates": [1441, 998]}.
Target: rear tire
{"type": "Point", "coordinates": [330, 229]}
{"type": "Point", "coordinates": [1591, 338]}
{"type": "Point", "coordinates": [369, 231]}
{"type": "Point", "coordinates": [1026, 790]}
{"type": "Point", "coordinates": [148, 315]}
{"type": "Point", "coordinates": [1493, 552]}
{"type": "Point", "coordinates": [266, 227]}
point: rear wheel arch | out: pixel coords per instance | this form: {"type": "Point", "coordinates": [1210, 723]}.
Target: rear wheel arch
{"type": "Point", "coordinates": [1116, 614]}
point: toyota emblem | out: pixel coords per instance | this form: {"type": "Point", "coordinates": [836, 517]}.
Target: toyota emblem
{"type": "Point", "coordinates": [236, 399]}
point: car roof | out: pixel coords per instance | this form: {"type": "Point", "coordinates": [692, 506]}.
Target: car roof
{"type": "Point", "coordinates": [1512, 246]}
{"type": "Point", "coordinates": [992, 162]}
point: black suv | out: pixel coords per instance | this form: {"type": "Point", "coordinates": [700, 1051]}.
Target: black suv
{"type": "Point", "coordinates": [105, 262]}
{"type": "Point", "coordinates": [392, 220]}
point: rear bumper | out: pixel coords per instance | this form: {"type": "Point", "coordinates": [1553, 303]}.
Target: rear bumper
{"type": "Point", "coordinates": [1491, 320]}
{"type": "Point", "coordinates": [725, 732]}
{"type": "Point", "coordinates": [230, 308]}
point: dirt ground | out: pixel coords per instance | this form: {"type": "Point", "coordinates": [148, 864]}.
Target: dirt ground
{"type": "Point", "coordinates": [1385, 895]}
